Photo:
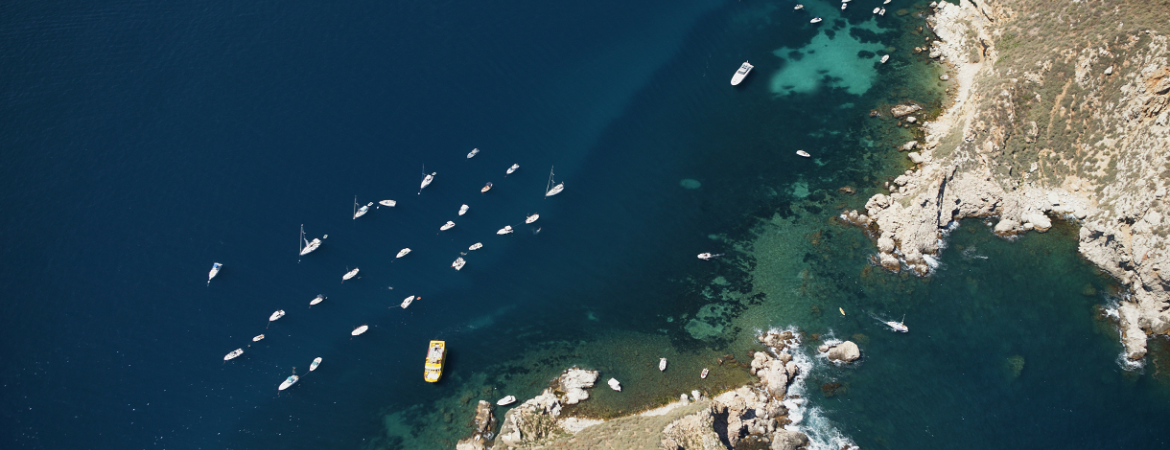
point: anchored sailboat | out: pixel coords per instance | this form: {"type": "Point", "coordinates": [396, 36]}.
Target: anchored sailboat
{"type": "Point", "coordinates": [551, 190]}
{"type": "Point", "coordinates": [358, 212]}
{"type": "Point", "coordinates": [427, 179]}
{"type": "Point", "coordinates": [306, 246]}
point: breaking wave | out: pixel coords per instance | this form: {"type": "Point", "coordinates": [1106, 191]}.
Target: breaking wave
{"type": "Point", "coordinates": [806, 418]}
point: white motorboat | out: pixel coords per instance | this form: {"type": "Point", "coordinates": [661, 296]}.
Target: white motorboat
{"type": "Point", "coordinates": [803, 153]}
{"type": "Point", "coordinates": [289, 382]}
{"type": "Point", "coordinates": [485, 188]}
{"type": "Point", "coordinates": [447, 226]}
{"type": "Point", "coordinates": [403, 252]}
{"type": "Point", "coordinates": [306, 246]}
{"type": "Point", "coordinates": [882, 12]}
{"type": "Point", "coordinates": [458, 264]}
{"type": "Point", "coordinates": [885, 58]}
{"type": "Point", "coordinates": [258, 338]}
{"type": "Point", "coordinates": [513, 169]}
{"type": "Point", "coordinates": [703, 375]}
{"type": "Point", "coordinates": [899, 326]}
{"type": "Point", "coordinates": [316, 301]}
{"type": "Point", "coordinates": [615, 385]}
{"type": "Point", "coordinates": [316, 362]}
{"type": "Point", "coordinates": [705, 256]}
{"type": "Point", "coordinates": [358, 212]}
{"type": "Point", "coordinates": [276, 315]}
{"type": "Point", "coordinates": [843, 5]}
{"type": "Point", "coordinates": [463, 209]}
{"type": "Point", "coordinates": [349, 275]}
{"type": "Point", "coordinates": [741, 73]}
{"type": "Point", "coordinates": [474, 151]}
{"type": "Point", "coordinates": [662, 364]}
{"type": "Point", "coordinates": [886, 2]}
{"type": "Point", "coordinates": [408, 301]}
{"type": "Point", "coordinates": [233, 354]}
{"type": "Point", "coordinates": [359, 330]}
{"type": "Point", "coordinates": [427, 179]}
{"type": "Point", "coordinates": [388, 203]}
{"type": "Point", "coordinates": [214, 271]}
{"type": "Point", "coordinates": [550, 189]}
{"type": "Point", "coordinates": [532, 218]}
{"type": "Point", "coordinates": [475, 246]}
{"type": "Point", "coordinates": [875, 10]}
{"type": "Point", "coordinates": [506, 400]}
{"type": "Point", "coordinates": [506, 230]}
{"type": "Point", "coordinates": [798, 7]}
{"type": "Point", "coordinates": [816, 20]}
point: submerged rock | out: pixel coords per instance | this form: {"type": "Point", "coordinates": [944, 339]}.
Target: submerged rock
{"type": "Point", "coordinates": [485, 427]}
{"type": "Point", "coordinates": [844, 352]}
{"type": "Point", "coordinates": [690, 184]}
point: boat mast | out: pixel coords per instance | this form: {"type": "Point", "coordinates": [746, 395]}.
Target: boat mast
{"type": "Point", "coordinates": [355, 207]}
{"type": "Point", "coordinates": [550, 179]}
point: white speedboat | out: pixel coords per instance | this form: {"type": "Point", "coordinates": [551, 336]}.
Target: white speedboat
{"type": "Point", "coordinates": [885, 58]}
{"type": "Point", "coordinates": [614, 384]}
{"type": "Point", "coordinates": [316, 362]}
{"type": "Point", "coordinates": [662, 364]}
{"type": "Point", "coordinates": [316, 301]}
{"type": "Point", "coordinates": [803, 153]}
{"type": "Point", "coordinates": [214, 271]}
{"type": "Point", "coordinates": [233, 354]}
{"type": "Point", "coordinates": [306, 246]}
{"type": "Point", "coordinates": [447, 226]}
{"type": "Point", "coordinates": [816, 20]}
{"type": "Point", "coordinates": [458, 264]}
{"type": "Point", "coordinates": [474, 151]}
{"type": "Point", "coordinates": [463, 209]}
{"type": "Point", "coordinates": [506, 400]}
{"type": "Point", "coordinates": [349, 275]}
{"type": "Point", "coordinates": [512, 169]}
{"type": "Point", "coordinates": [427, 179]}
{"type": "Point", "coordinates": [706, 256]}
{"type": "Point", "coordinates": [741, 73]}
{"type": "Point", "coordinates": [475, 246]}
{"type": "Point", "coordinates": [703, 375]}
{"type": "Point", "coordinates": [258, 338]}
{"type": "Point", "coordinates": [506, 230]}
{"type": "Point", "coordinates": [882, 12]}
{"type": "Point", "coordinates": [550, 189]}
{"type": "Point", "coordinates": [532, 218]}
{"type": "Point", "coordinates": [388, 203]}
{"type": "Point", "coordinates": [899, 326]}
{"type": "Point", "coordinates": [485, 188]}
{"type": "Point", "coordinates": [358, 212]}
{"type": "Point", "coordinates": [798, 7]}
{"type": "Point", "coordinates": [886, 2]}
{"type": "Point", "coordinates": [276, 315]}
{"type": "Point", "coordinates": [359, 330]}
{"type": "Point", "coordinates": [403, 252]}
{"type": "Point", "coordinates": [289, 382]}
{"type": "Point", "coordinates": [843, 5]}
{"type": "Point", "coordinates": [408, 301]}
{"type": "Point", "coordinates": [875, 10]}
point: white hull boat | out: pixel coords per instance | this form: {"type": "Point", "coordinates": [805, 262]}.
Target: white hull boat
{"type": "Point", "coordinates": [485, 188]}
{"type": "Point", "coordinates": [403, 252]}
{"type": "Point", "coordinates": [233, 354]}
{"type": "Point", "coordinates": [899, 326]}
{"type": "Point", "coordinates": [317, 301]}
{"type": "Point", "coordinates": [662, 364]}
{"type": "Point", "coordinates": [705, 256]}
{"type": "Point", "coordinates": [550, 189]}
{"type": "Point", "coordinates": [513, 169]}
{"type": "Point", "coordinates": [885, 58]}
{"type": "Point", "coordinates": [474, 151]}
{"type": "Point", "coordinates": [359, 330]}
{"type": "Point", "coordinates": [458, 264]}
{"type": "Point", "coordinates": [214, 271]}
{"type": "Point", "coordinates": [615, 385]}
{"type": "Point", "coordinates": [408, 301]}
{"type": "Point", "coordinates": [476, 246]}
{"type": "Point", "coordinates": [463, 209]}
{"type": "Point", "coordinates": [447, 226]}
{"type": "Point", "coordinates": [882, 12]}
{"type": "Point", "coordinates": [843, 5]}
{"type": "Point", "coordinates": [532, 218]}
{"type": "Point", "coordinates": [742, 73]}
{"type": "Point", "coordinates": [358, 212]}
{"type": "Point", "coordinates": [349, 275]}
{"type": "Point", "coordinates": [306, 246]}
{"type": "Point", "coordinates": [258, 338]}
{"type": "Point", "coordinates": [703, 375]}
{"type": "Point", "coordinates": [875, 10]}
{"type": "Point", "coordinates": [427, 179]}
{"type": "Point", "coordinates": [289, 382]}
{"type": "Point", "coordinates": [798, 7]}
{"type": "Point", "coordinates": [886, 2]}
{"type": "Point", "coordinates": [803, 153]}
{"type": "Point", "coordinates": [388, 203]}
{"type": "Point", "coordinates": [506, 230]}
{"type": "Point", "coordinates": [816, 20]}
{"type": "Point", "coordinates": [507, 400]}
{"type": "Point", "coordinates": [316, 362]}
{"type": "Point", "coordinates": [276, 315]}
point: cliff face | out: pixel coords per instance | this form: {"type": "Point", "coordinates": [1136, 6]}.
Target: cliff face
{"type": "Point", "coordinates": [1061, 109]}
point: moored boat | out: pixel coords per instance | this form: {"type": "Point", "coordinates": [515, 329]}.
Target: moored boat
{"type": "Point", "coordinates": [474, 151]}
{"type": "Point", "coordinates": [359, 330]}
{"type": "Point", "coordinates": [358, 212]}
{"type": "Point", "coordinates": [214, 271]}
{"type": "Point", "coordinates": [486, 187]}
{"type": "Point", "coordinates": [798, 7]}
{"type": "Point", "coordinates": [882, 12]}
{"type": "Point", "coordinates": [403, 252]}
{"type": "Point", "coordinates": [447, 226]}
{"type": "Point", "coordinates": [427, 179]}
{"type": "Point", "coordinates": [320, 298]}
{"type": "Point", "coordinates": [703, 375]}
{"type": "Point", "coordinates": [276, 315]}
{"type": "Point", "coordinates": [803, 153]}
{"type": "Point", "coordinates": [532, 218]}
{"type": "Point", "coordinates": [233, 354]}
{"type": "Point", "coordinates": [512, 169]}
{"type": "Point", "coordinates": [551, 189]}
{"type": "Point", "coordinates": [463, 209]}
{"type": "Point", "coordinates": [506, 230]}
{"type": "Point", "coordinates": [476, 246]}
{"type": "Point", "coordinates": [408, 301]}
{"type": "Point", "coordinates": [258, 338]}
{"type": "Point", "coordinates": [389, 203]}
{"type": "Point", "coordinates": [885, 58]}
{"type": "Point", "coordinates": [458, 264]}
{"type": "Point", "coordinates": [662, 364]}
{"type": "Point", "coordinates": [288, 382]}
{"type": "Point", "coordinates": [816, 20]}
{"type": "Point", "coordinates": [614, 384]}
{"type": "Point", "coordinates": [886, 2]}
{"type": "Point", "coordinates": [742, 73]}
{"type": "Point", "coordinates": [349, 275]}
{"type": "Point", "coordinates": [316, 362]}
{"type": "Point", "coordinates": [506, 400]}
{"type": "Point", "coordinates": [436, 354]}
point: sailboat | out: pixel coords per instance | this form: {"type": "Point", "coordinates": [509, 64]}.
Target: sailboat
{"type": "Point", "coordinates": [233, 354]}
{"type": "Point", "coordinates": [214, 271]}
{"type": "Point", "coordinates": [320, 298]}
{"type": "Point", "coordinates": [474, 151]}
{"type": "Point", "coordinates": [427, 179]}
{"type": "Point", "coordinates": [512, 169]}
{"type": "Point", "coordinates": [899, 326]}
{"type": "Point", "coordinates": [662, 364]}
{"type": "Point", "coordinates": [350, 274]}
{"type": "Point", "coordinates": [551, 190]}
{"type": "Point", "coordinates": [358, 212]}
{"type": "Point", "coordinates": [306, 246]}
{"type": "Point", "coordinates": [447, 226]}
{"type": "Point", "coordinates": [408, 301]}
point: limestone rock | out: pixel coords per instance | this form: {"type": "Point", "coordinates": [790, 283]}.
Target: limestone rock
{"type": "Point", "coordinates": [908, 146]}
{"type": "Point", "coordinates": [692, 432]}
{"type": "Point", "coordinates": [903, 110]}
{"type": "Point", "coordinates": [574, 382]}
{"type": "Point", "coordinates": [789, 440]}
{"type": "Point", "coordinates": [485, 428]}
{"type": "Point", "coordinates": [844, 352]}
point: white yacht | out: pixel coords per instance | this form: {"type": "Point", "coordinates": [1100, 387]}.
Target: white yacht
{"type": "Point", "coordinates": [703, 374]}
{"type": "Point", "coordinates": [662, 364]}
{"type": "Point", "coordinates": [447, 226]}
{"type": "Point", "coordinates": [875, 10]}
{"type": "Point", "coordinates": [458, 264]}
{"type": "Point", "coordinates": [463, 209]}
{"type": "Point", "coordinates": [741, 73]}
{"type": "Point", "coordinates": [306, 246]}
{"type": "Point", "coordinates": [475, 246]}
{"type": "Point", "coordinates": [705, 256]}
{"type": "Point", "coordinates": [615, 385]}
{"type": "Point", "coordinates": [798, 7]}
{"type": "Point", "coordinates": [258, 338]}
{"type": "Point", "coordinates": [359, 330]}
{"type": "Point", "coordinates": [233, 354]}
{"type": "Point", "coordinates": [485, 188]}
{"type": "Point", "coordinates": [474, 151]}
{"type": "Point", "coordinates": [403, 252]}
{"type": "Point", "coordinates": [507, 400]}
{"type": "Point", "coordinates": [885, 58]}
{"type": "Point", "coordinates": [289, 382]}
{"type": "Point", "coordinates": [316, 301]}
{"type": "Point", "coordinates": [358, 212]}
{"type": "Point", "coordinates": [427, 179]}
{"type": "Point", "coordinates": [899, 326]}
{"type": "Point", "coordinates": [513, 169]}
{"type": "Point", "coordinates": [276, 315]}
{"type": "Point", "coordinates": [214, 271]}
{"type": "Point", "coordinates": [803, 153]}
{"type": "Point", "coordinates": [532, 218]}
{"type": "Point", "coordinates": [816, 20]}
{"type": "Point", "coordinates": [316, 362]}
{"type": "Point", "coordinates": [349, 275]}
{"type": "Point", "coordinates": [408, 301]}
{"type": "Point", "coordinates": [506, 230]}
{"type": "Point", "coordinates": [388, 203]}
{"type": "Point", "coordinates": [843, 5]}
{"type": "Point", "coordinates": [550, 189]}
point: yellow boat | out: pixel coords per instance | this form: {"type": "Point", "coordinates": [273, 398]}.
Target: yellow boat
{"type": "Point", "coordinates": [436, 353]}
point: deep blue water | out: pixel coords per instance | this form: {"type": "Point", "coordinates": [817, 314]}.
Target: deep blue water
{"type": "Point", "coordinates": [144, 141]}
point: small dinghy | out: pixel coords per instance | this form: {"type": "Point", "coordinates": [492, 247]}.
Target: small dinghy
{"type": "Point", "coordinates": [798, 7]}
{"type": "Point", "coordinates": [506, 400]}
{"type": "Point", "coordinates": [485, 188]}
{"type": "Point", "coordinates": [258, 338]}
{"type": "Point", "coordinates": [289, 382]}
{"type": "Point", "coordinates": [388, 203]}
{"type": "Point", "coordinates": [474, 151]}
{"type": "Point", "coordinates": [408, 301]}
{"type": "Point", "coordinates": [359, 330]}
{"type": "Point", "coordinates": [214, 271]}
{"type": "Point", "coordinates": [513, 169]}
{"type": "Point", "coordinates": [316, 362]}
{"type": "Point", "coordinates": [550, 189]}
{"type": "Point", "coordinates": [703, 375]}
{"type": "Point", "coordinates": [882, 12]}
{"type": "Point", "coordinates": [427, 179]}
{"type": "Point", "coordinates": [843, 5]}
{"type": "Point", "coordinates": [320, 298]}
{"type": "Point", "coordinates": [532, 218]}
{"type": "Point", "coordinates": [476, 246]}
{"type": "Point", "coordinates": [615, 385]}
{"type": "Point", "coordinates": [276, 315]}
{"type": "Point", "coordinates": [463, 209]}
{"type": "Point", "coordinates": [803, 153]}
{"type": "Point", "coordinates": [447, 226]}
{"type": "Point", "coordinates": [875, 10]}
{"type": "Point", "coordinates": [885, 58]}
{"type": "Point", "coordinates": [899, 326]}
{"type": "Point", "coordinates": [816, 20]}
{"type": "Point", "coordinates": [349, 275]}
{"type": "Point", "coordinates": [458, 264]}
{"type": "Point", "coordinates": [662, 364]}
{"type": "Point", "coordinates": [403, 252]}
{"type": "Point", "coordinates": [233, 354]}
{"type": "Point", "coordinates": [506, 230]}
{"type": "Point", "coordinates": [306, 246]}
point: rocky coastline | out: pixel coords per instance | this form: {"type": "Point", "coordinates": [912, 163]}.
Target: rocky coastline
{"type": "Point", "coordinates": [1054, 115]}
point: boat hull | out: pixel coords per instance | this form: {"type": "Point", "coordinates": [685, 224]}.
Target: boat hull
{"type": "Point", "coordinates": [742, 73]}
{"type": "Point", "coordinates": [436, 356]}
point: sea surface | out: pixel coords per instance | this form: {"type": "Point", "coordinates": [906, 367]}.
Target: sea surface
{"type": "Point", "coordinates": [143, 141]}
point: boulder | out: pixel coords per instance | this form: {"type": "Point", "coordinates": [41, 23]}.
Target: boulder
{"type": "Point", "coordinates": [915, 157]}
{"type": "Point", "coordinates": [531, 421]}
{"type": "Point", "coordinates": [844, 352]}
{"type": "Point", "coordinates": [789, 440]}
{"type": "Point", "coordinates": [574, 382]}
{"type": "Point", "coordinates": [1006, 226]}
{"type": "Point", "coordinates": [692, 432]}
{"type": "Point", "coordinates": [485, 428]}
{"type": "Point", "coordinates": [903, 110]}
